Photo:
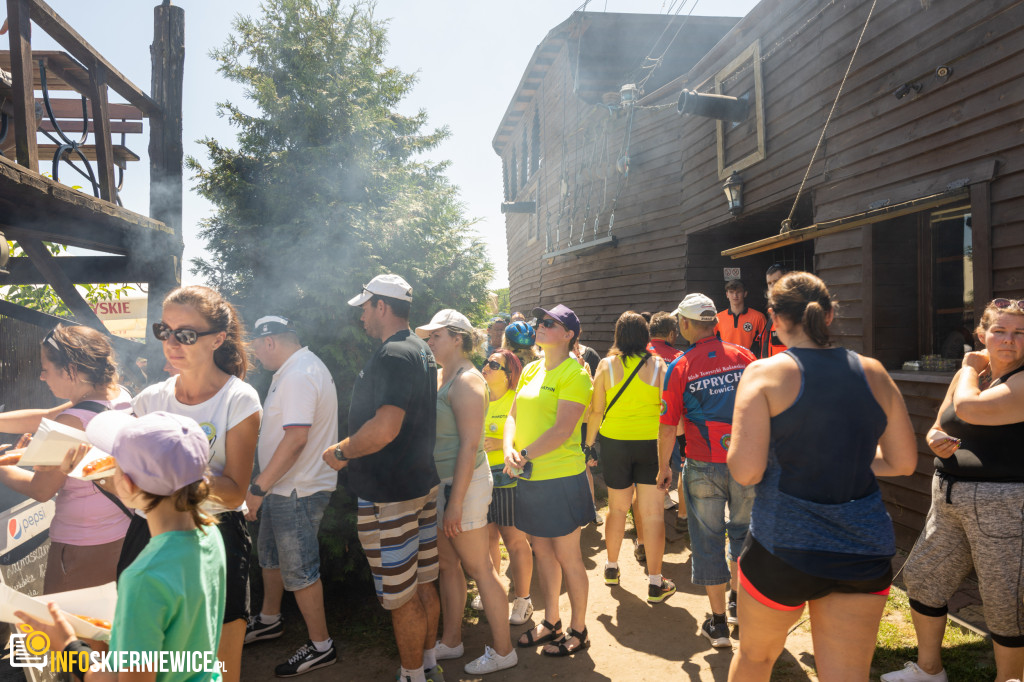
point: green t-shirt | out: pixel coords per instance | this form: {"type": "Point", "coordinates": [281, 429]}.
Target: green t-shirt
{"type": "Point", "coordinates": [536, 407]}
{"type": "Point", "coordinates": [171, 598]}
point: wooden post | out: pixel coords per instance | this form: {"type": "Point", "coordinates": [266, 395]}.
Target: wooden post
{"type": "Point", "coordinates": [101, 131]}
{"type": "Point", "coordinates": [20, 26]}
{"type": "Point", "coordinates": [165, 157]}
{"type": "Point", "coordinates": [46, 263]}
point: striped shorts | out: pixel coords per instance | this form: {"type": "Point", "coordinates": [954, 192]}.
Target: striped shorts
{"type": "Point", "coordinates": [400, 543]}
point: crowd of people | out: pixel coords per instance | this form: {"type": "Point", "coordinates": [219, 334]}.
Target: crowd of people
{"type": "Point", "coordinates": [776, 434]}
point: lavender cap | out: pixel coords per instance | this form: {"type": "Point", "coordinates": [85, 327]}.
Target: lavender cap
{"type": "Point", "coordinates": [160, 451]}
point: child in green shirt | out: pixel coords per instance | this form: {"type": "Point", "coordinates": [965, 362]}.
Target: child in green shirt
{"type": "Point", "coordinates": [171, 598]}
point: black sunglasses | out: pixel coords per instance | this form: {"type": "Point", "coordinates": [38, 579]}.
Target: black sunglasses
{"type": "Point", "coordinates": [494, 365]}
{"type": "Point", "coordinates": [548, 323]}
{"type": "Point", "coordinates": [1004, 303]}
{"type": "Point", "coordinates": [186, 337]}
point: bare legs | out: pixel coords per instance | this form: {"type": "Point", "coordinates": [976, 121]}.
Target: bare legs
{"type": "Point", "coordinates": [930, 631]}
{"type": "Point", "coordinates": [558, 557]}
{"type": "Point", "coordinates": [310, 600]}
{"type": "Point", "coordinates": [844, 628]}
{"type": "Point", "coordinates": [470, 549]}
{"type": "Point", "coordinates": [415, 625]}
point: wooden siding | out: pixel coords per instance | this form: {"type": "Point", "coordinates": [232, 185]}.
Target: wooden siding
{"type": "Point", "coordinates": [671, 219]}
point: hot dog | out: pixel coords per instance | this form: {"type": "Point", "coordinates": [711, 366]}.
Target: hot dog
{"type": "Point", "coordinates": [98, 622]}
{"type": "Point", "coordinates": [101, 464]}
{"type": "Point", "coordinates": [9, 460]}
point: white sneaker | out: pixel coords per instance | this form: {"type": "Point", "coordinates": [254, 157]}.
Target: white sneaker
{"type": "Point", "coordinates": [477, 603]}
{"type": "Point", "coordinates": [522, 609]}
{"type": "Point", "coordinates": [491, 662]}
{"type": "Point", "coordinates": [912, 673]}
{"type": "Point", "coordinates": [444, 652]}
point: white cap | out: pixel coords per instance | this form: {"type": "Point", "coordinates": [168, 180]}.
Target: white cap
{"type": "Point", "coordinates": [445, 318]}
{"type": "Point", "coordinates": [697, 307]}
{"type": "Point", "coordinates": [391, 286]}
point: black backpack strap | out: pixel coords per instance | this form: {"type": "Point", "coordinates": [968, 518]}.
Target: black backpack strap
{"type": "Point", "coordinates": [90, 406]}
{"type": "Point", "coordinates": [94, 406]}
{"type": "Point", "coordinates": [622, 390]}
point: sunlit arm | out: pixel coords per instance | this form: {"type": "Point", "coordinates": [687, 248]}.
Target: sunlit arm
{"type": "Point", "coordinates": [999, 405]}
{"type": "Point", "coordinates": [27, 421]}
{"type": "Point", "coordinates": [751, 428]}
{"type": "Point", "coordinates": [230, 486]}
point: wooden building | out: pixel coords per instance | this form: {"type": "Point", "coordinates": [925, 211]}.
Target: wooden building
{"type": "Point", "coordinates": [910, 211]}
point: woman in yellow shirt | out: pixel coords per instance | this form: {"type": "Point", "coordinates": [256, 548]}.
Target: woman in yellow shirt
{"type": "Point", "coordinates": [627, 431]}
{"type": "Point", "coordinates": [542, 447]}
{"type": "Point", "coordinates": [502, 371]}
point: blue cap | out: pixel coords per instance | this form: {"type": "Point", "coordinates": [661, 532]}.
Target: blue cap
{"type": "Point", "coordinates": [520, 334]}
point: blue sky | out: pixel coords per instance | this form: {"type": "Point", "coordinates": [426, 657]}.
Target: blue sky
{"type": "Point", "coordinates": [469, 56]}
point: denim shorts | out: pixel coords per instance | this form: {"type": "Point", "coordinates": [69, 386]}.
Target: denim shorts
{"type": "Point", "coordinates": [707, 488]}
{"type": "Point", "coordinates": [288, 537]}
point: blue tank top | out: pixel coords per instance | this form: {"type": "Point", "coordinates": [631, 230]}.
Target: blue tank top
{"type": "Point", "coordinates": [818, 506]}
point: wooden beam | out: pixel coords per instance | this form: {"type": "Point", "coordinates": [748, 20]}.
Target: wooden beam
{"type": "Point", "coordinates": [79, 269]}
{"type": "Point", "coordinates": [101, 133]}
{"type": "Point", "coordinates": [65, 288]}
{"type": "Point", "coordinates": [20, 26]}
{"type": "Point", "coordinates": [80, 49]}
{"type": "Point", "coordinates": [981, 246]}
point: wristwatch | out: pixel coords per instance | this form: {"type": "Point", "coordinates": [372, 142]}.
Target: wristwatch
{"type": "Point", "coordinates": [257, 491]}
{"type": "Point", "coordinates": [339, 454]}
{"type": "Point", "coordinates": [524, 454]}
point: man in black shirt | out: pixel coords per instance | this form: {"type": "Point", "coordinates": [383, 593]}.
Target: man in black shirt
{"type": "Point", "coordinates": [390, 458]}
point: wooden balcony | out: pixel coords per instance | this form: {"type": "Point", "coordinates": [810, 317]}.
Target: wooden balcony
{"type": "Point", "coordinates": [64, 151]}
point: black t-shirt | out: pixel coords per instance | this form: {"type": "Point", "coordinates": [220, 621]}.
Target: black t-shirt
{"type": "Point", "coordinates": [402, 372]}
{"type": "Point", "coordinates": [986, 453]}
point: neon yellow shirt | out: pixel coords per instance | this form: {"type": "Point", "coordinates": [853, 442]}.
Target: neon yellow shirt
{"type": "Point", "coordinates": [494, 427]}
{"type": "Point", "coordinates": [536, 407]}
{"type": "Point", "coordinates": [636, 414]}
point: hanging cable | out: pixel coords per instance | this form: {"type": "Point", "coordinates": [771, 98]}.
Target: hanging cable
{"type": "Point", "coordinates": [788, 222]}
{"type": "Point", "coordinates": [661, 57]}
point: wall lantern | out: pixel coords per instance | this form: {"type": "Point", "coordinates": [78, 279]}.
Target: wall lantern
{"type": "Point", "coordinates": [733, 189]}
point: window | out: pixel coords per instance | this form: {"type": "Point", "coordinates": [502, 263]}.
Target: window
{"type": "Point", "coordinates": [513, 179]}
{"type": "Point", "coordinates": [535, 139]}
{"type": "Point", "coordinates": [526, 160]}
{"type": "Point", "coordinates": [923, 288]}
{"type": "Point", "coordinates": [507, 191]}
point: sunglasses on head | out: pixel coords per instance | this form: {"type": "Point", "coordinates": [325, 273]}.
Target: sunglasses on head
{"type": "Point", "coordinates": [49, 338]}
{"type": "Point", "coordinates": [1004, 303]}
{"type": "Point", "coordinates": [186, 337]}
{"type": "Point", "coordinates": [494, 365]}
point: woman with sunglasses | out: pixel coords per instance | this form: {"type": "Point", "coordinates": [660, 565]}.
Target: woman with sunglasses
{"type": "Point", "coordinates": [203, 340]}
{"type": "Point", "coordinates": [628, 435]}
{"type": "Point", "coordinates": [542, 447]}
{"type": "Point", "coordinates": [502, 371]}
{"type": "Point", "coordinates": [464, 494]}
{"type": "Point", "coordinates": [88, 526]}
{"type": "Point", "coordinates": [976, 518]}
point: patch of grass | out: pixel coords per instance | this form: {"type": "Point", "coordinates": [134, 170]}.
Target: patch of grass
{"type": "Point", "coordinates": [966, 656]}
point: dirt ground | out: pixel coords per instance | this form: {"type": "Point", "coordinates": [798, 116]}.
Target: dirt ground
{"type": "Point", "coordinates": [631, 639]}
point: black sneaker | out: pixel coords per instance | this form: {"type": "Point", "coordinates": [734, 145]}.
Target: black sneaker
{"type": "Point", "coordinates": [640, 553]}
{"type": "Point", "coordinates": [306, 659]}
{"type": "Point", "coordinates": [659, 593]}
{"type": "Point", "coordinates": [733, 620]}
{"type": "Point", "coordinates": [256, 630]}
{"type": "Point", "coordinates": [611, 576]}
{"type": "Point", "coordinates": [717, 633]}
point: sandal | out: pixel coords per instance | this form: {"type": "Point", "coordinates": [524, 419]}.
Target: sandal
{"type": "Point", "coordinates": [564, 649]}
{"type": "Point", "coordinates": [553, 635]}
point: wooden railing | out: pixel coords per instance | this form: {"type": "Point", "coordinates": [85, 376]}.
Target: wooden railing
{"type": "Point", "coordinates": [91, 82]}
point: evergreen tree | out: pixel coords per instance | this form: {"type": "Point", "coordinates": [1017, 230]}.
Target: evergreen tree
{"type": "Point", "coordinates": [327, 187]}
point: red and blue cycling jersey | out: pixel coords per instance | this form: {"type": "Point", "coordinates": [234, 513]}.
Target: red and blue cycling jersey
{"type": "Point", "coordinates": [700, 386]}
